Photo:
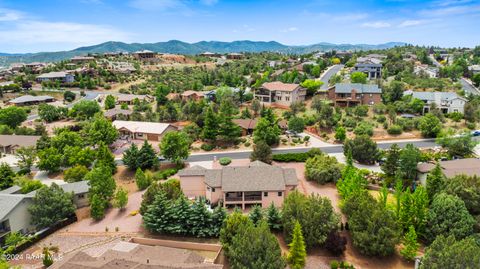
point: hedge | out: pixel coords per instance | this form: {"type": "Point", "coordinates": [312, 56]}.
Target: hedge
{"type": "Point", "coordinates": [225, 161]}
{"type": "Point", "coordinates": [296, 157]}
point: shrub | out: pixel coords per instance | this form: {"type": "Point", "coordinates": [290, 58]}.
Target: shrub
{"type": "Point", "coordinates": [336, 243]}
{"type": "Point", "coordinates": [296, 157]}
{"type": "Point", "coordinates": [323, 169]}
{"type": "Point", "coordinates": [75, 174]}
{"type": "Point", "coordinates": [395, 129]}
{"type": "Point", "coordinates": [364, 128]}
{"type": "Point", "coordinates": [225, 161]}
{"type": "Point", "coordinates": [162, 175]}
{"type": "Point", "coordinates": [381, 119]}
{"type": "Point", "coordinates": [247, 144]}
{"type": "Point", "coordinates": [207, 147]}
{"type": "Point", "coordinates": [350, 122]}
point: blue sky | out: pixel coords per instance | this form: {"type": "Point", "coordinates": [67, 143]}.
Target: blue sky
{"type": "Point", "coordinates": [51, 25]}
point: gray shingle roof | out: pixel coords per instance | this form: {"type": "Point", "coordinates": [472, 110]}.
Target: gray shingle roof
{"type": "Point", "coordinates": [433, 96]}
{"type": "Point", "coordinates": [359, 88]}
{"type": "Point", "coordinates": [195, 170]}
{"type": "Point", "coordinates": [18, 140]}
{"type": "Point", "coordinates": [13, 189]}
{"type": "Point", "coordinates": [8, 202]}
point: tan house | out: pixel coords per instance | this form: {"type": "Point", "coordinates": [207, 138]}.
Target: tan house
{"type": "Point", "coordinates": [145, 55]}
{"type": "Point", "coordinates": [82, 59]}
{"type": "Point", "coordinates": [10, 143]}
{"type": "Point", "coordinates": [153, 131]}
{"type": "Point", "coordinates": [112, 114]}
{"type": "Point", "coordinates": [280, 93]}
{"type": "Point", "coordinates": [130, 98]}
{"type": "Point", "coordinates": [192, 95]}
{"type": "Point", "coordinates": [247, 125]}
{"type": "Point", "coordinates": [352, 94]}
{"type": "Point", "coordinates": [255, 184]}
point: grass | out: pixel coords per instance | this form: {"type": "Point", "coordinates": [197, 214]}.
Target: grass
{"type": "Point", "coordinates": [390, 198]}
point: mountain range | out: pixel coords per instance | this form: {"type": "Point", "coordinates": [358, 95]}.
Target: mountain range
{"type": "Point", "coordinates": [180, 47]}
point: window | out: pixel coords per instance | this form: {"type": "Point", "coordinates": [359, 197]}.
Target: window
{"type": "Point", "coordinates": [279, 193]}
{"type": "Point", "coordinates": [81, 196]}
{"type": "Point", "coordinates": [139, 134]}
{"type": "Point", "coordinates": [287, 98]}
{"type": "Point", "coordinates": [265, 194]}
{"type": "Point", "coordinates": [213, 189]}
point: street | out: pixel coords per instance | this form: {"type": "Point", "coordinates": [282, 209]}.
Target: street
{"type": "Point", "coordinates": [327, 149]}
{"type": "Point", "coordinates": [325, 77]}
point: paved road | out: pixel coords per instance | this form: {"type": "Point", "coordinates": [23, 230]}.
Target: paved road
{"type": "Point", "coordinates": [469, 88]}
{"type": "Point", "coordinates": [328, 74]}
{"type": "Point", "coordinates": [330, 149]}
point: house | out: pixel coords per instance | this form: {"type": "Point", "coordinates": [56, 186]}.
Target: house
{"type": "Point", "coordinates": [144, 55]}
{"type": "Point", "coordinates": [35, 66]}
{"type": "Point", "coordinates": [56, 76]}
{"type": "Point", "coordinates": [280, 93]}
{"type": "Point", "coordinates": [14, 216]}
{"type": "Point", "coordinates": [192, 95]}
{"type": "Point", "coordinates": [372, 67]}
{"type": "Point", "coordinates": [82, 59]}
{"type": "Point", "coordinates": [451, 168]}
{"type": "Point", "coordinates": [234, 56]}
{"type": "Point", "coordinates": [28, 100]}
{"type": "Point", "coordinates": [173, 96]}
{"type": "Point", "coordinates": [153, 131]}
{"type": "Point", "coordinates": [247, 125]}
{"type": "Point", "coordinates": [148, 253]}
{"type": "Point", "coordinates": [352, 94]}
{"type": "Point", "coordinates": [10, 143]}
{"type": "Point", "coordinates": [210, 54]}
{"type": "Point", "coordinates": [113, 113]}
{"type": "Point", "coordinates": [129, 99]}
{"type": "Point", "coordinates": [431, 72]}
{"type": "Point", "coordinates": [475, 69]}
{"type": "Point", "coordinates": [447, 102]}
{"type": "Point", "coordinates": [255, 184]}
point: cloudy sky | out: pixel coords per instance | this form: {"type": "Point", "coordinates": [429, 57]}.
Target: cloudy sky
{"type": "Point", "coordinates": [51, 25]}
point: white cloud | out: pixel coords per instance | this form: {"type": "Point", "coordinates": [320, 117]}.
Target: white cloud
{"type": "Point", "coordinates": [9, 15]}
{"type": "Point", "coordinates": [376, 24]}
{"type": "Point", "coordinates": [35, 32]}
{"type": "Point", "coordinates": [409, 23]}
{"type": "Point", "coordinates": [450, 10]}
{"type": "Point", "coordinates": [444, 3]}
{"type": "Point", "coordinates": [289, 29]}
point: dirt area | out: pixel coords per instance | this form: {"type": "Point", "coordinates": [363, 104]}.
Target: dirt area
{"type": "Point", "coordinates": [57, 124]}
{"type": "Point", "coordinates": [125, 178]}
{"type": "Point", "coordinates": [117, 86]}
{"type": "Point", "coordinates": [115, 221]}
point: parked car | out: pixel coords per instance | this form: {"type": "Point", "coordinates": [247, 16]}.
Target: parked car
{"type": "Point", "coordinates": [476, 133]}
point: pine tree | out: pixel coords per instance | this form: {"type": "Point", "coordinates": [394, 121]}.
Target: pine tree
{"type": "Point", "coordinates": [256, 215]}
{"type": "Point", "coordinates": [200, 219]}
{"type": "Point", "coordinates": [435, 181]}
{"type": "Point", "coordinates": [410, 244]}
{"type": "Point", "coordinates": [274, 218]}
{"type": "Point", "coordinates": [156, 219]}
{"type": "Point", "coordinates": [180, 212]}
{"type": "Point", "coordinates": [391, 163]}
{"type": "Point", "coordinates": [228, 130]}
{"type": "Point", "coordinates": [210, 127]}
{"type": "Point", "coordinates": [218, 218]}
{"type": "Point", "coordinates": [297, 255]}
{"type": "Point", "coordinates": [131, 157]}
{"type": "Point", "coordinates": [261, 152]}
{"type": "Point", "coordinates": [146, 156]}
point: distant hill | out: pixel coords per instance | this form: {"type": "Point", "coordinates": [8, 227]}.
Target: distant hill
{"type": "Point", "coordinates": [180, 47]}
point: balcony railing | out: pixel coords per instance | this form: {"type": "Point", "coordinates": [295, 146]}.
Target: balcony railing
{"type": "Point", "coordinates": [233, 199]}
{"type": "Point", "coordinates": [253, 198]}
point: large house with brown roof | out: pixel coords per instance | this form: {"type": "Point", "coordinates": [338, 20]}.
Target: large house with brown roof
{"type": "Point", "coordinates": [28, 100]}
{"type": "Point", "coordinates": [130, 98]}
{"type": "Point", "coordinates": [352, 94]}
{"type": "Point", "coordinates": [10, 143]}
{"type": "Point", "coordinates": [280, 93]}
{"type": "Point", "coordinates": [451, 168]}
{"type": "Point", "coordinates": [142, 130]}
{"type": "Point", "coordinates": [192, 95]}
{"type": "Point", "coordinates": [242, 186]}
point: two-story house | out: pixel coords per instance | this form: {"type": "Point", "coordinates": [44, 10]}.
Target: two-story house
{"type": "Point", "coordinates": [256, 184]}
{"type": "Point", "coordinates": [372, 67]}
{"type": "Point", "coordinates": [280, 93]}
{"type": "Point", "coordinates": [352, 94]}
{"type": "Point", "coordinates": [54, 76]}
{"type": "Point", "coordinates": [447, 102]}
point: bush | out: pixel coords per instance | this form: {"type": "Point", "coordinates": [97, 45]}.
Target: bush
{"type": "Point", "coordinates": [75, 174]}
{"type": "Point", "coordinates": [296, 157]}
{"type": "Point", "coordinates": [364, 128]}
{"type": "Point", "coordinates": [395, 130]}
{"type": "Point", "coordinates": [207, 147]}
{"type": "Point", "coordinates": [225, 161]}
{"type": "Point", "coordinates": [350, 122]}
{"type": "Point", "coordinates": [381, 119]}
{"type": "Point", "coordinates": [323, 169]}
{"type": "Point", "coordinates": [336, 243]}
{"type": "Point", "coordinates": [247, 144]}
{"type": "Point", "coordinates": [162, 175]}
